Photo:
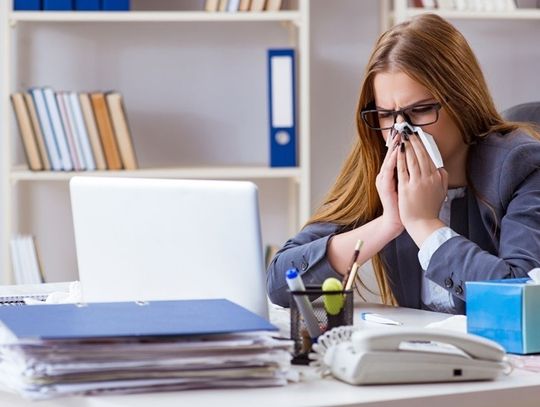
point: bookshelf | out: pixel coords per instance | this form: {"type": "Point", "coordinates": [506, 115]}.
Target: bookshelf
{"type": "Point", "coordinates": [402, 11]}
{"type": "Point", "coordinates": [14, 174]}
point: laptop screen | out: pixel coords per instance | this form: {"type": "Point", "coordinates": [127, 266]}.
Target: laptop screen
{"type": "Point", "coordinates": [164, 239]}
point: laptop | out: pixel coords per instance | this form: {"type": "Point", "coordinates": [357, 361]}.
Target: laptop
{"type": "Point", "coordinates": [164, 239]}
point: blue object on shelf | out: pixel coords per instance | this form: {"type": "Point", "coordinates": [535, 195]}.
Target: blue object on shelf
{"type": "Point", "coordinates": [505, 311]}
{"type": "Point", "coordinates": [20, 5]}
{"type": "Point", "coordinates": [57, 5]}
{"type": "Point", "coordinates": [282, 107]}
{"type": "Point", "coordinates": [88, 5]}
{"type": "Point", "coordinates": [115, 5]}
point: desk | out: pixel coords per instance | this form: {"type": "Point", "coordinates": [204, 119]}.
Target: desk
{"type": "Point", "coordinates": [518, 389]}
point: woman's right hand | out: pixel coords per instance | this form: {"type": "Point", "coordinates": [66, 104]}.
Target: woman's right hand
{"type": "Point", "coordinates": [386, 183]}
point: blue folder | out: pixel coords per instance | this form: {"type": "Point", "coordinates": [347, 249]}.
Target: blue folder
{"type": "Point", "coordinates": [115, 5]}
{"type": "Point", "coordinates": [282, 107]}
{"type": "Point", "coordinates": [130, 320]}
{"type": "Point", "coordinates": [26, 5]}
{"type": "Point", "coordinates": [87, 5]}
{"type": "Point", "coordinates": [57, 5]}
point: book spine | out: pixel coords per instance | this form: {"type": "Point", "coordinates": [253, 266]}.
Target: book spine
{"type": "Point", "coordinates": [37, 132]}
{"type": "Point", "coordinates": [58, 129]}
{"type": "Point", "coordinates": [46, 127]}
{"type": "Point", "coordinates": [93, 134]}
{"type": "Point", "coordinates": [57, 5]}
{"type": "Point", "coordinates": [106, 131]}
{"type": "Point", "coordinates": [121, 130]}
{"type": "Point", "coordinates": [78, 123]}
{"type": "Point", "coordinates": [26, 132]}
{"type": "Point", "coordinates": [115, 5]}
{"type": "Point", "coordinates": [26, 5]}
{"type": "Point", "coordinates": [70, 137]}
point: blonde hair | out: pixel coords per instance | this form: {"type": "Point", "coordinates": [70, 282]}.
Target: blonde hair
{"type": "Point", "coordinates": [435, 54]}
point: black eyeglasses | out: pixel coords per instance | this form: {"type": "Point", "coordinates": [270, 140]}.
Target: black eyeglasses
{"type": "Point", "coordinates": [417, 115]}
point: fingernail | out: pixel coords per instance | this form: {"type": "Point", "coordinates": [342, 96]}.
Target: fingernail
{"type": "Point", "coordinates": [394, 146]}
{"type": "Point", "coordinates": [402, 148]}
{"type": "Point", "coordinates": [405, 136]}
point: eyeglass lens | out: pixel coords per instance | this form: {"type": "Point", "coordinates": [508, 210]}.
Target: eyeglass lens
{"type": "Point", "coordinates": [419, 115]}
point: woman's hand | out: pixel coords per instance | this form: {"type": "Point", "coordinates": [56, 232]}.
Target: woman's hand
{"type": "Point", "coordinates": [422, 189]}
{"type": "Point", "coordinates": [386, 187]}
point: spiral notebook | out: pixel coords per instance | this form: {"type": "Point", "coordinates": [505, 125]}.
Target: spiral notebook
{"type": "Point", "coordinates": [16, 294]}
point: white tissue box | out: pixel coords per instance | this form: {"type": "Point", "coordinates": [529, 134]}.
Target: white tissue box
{"type": "Point", "coordinates": [506, 311]}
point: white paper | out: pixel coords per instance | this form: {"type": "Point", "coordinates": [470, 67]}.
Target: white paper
{"type": "Point", "coordinates": [426, 138]}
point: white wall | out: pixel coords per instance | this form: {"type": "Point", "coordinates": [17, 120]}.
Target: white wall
{"type": "Point", "coordinates": [171, 74]}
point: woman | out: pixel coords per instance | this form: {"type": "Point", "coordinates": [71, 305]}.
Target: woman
{"type": "Point", "coordinates": [428, 230]}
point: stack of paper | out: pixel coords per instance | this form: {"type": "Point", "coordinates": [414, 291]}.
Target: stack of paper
{"type": "Point", "coordinates": [55, 350]}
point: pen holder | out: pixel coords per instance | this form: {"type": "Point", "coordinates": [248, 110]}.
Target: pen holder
{"type": "Point", "coordinates": [327, 312]}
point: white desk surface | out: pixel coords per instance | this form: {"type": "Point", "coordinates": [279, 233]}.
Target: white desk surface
{"type": "Point", "coordinates": [520, 388]}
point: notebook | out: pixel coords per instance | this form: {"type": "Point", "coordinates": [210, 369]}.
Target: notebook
{"type": "Point", "coordinates": [157, 239]}
{"type": "Point", "coordinates": [131, 319]}
{"type": "Point", "coordinates": [16, 294]}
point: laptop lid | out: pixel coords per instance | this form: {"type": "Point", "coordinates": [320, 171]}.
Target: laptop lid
{"type": "Point", "coordinates": [163, 239]}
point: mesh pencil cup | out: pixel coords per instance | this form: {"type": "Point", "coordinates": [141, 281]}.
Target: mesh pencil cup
{"type": "Point", "coordinates": [326, 320]}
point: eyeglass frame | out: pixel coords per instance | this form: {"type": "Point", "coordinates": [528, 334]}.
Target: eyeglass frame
{"type": "Point", "coordinates": [401, 112]}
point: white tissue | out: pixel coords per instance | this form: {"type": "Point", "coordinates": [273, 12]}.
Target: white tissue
{"type": "Point", "coordinates": [534, 274]}
{"type": "Point", "coordinates": [426, 138]}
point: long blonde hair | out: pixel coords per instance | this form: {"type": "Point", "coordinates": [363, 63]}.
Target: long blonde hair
{"type": "Point", "coordinates": [435, 54]}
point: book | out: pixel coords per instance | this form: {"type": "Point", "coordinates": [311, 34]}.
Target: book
{"type": "Point", "coordinates": [92, 130]}
{"type": "Point", "coordinates": [44, 154]}
{"type": "Point", "coordinates": [106, 132]}
{"type": "Point", "coordinates": [211, 5]}
{"type": "Point", "coordinates": [58, 129]}
{"type": "Point", "coordinates": [26, 265]}
{"type": "Point", "coordinates": [244, 5]}
{"type": "Point", "coordinates": [46, 127]}
{"type": "Point", "coordinates": [115, 5]}
{"type": "Point", "coordinates": [87, 5]}
{"type": "Point", "coordinates": [121, 130]}
{"type": "Point", "coordinates": [26, 132]}
{"type": "Point", "coordinates": [273, 5]}
{"type": "Point", "coordinates": [233, 5]}
{"type": "Point", "coordinates": [223, 4]}
{"type": "Point", "coordinates": [74, 107]}
{"type": "Point", "coordinates": [72, 142]}
{"type": "Point", "coordinates": [257, 5]}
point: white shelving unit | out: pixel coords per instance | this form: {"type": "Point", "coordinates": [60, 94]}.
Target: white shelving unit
{"type": "Point", "coordinates": [402, 12]}
{"type": "Point", "coordinates": [14, 173]}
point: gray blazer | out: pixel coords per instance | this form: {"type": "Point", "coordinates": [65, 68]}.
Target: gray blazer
{"type": "Point", "coordinates": [497, 241]}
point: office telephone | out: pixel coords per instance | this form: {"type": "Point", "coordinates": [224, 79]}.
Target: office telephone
{"type": "Point", "coordinates": [406, 355]}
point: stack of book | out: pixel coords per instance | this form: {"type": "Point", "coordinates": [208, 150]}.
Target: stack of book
{"type": "Point", "coordinates": [70, 131]}
{"type": "Point", "coordinates": [242, 5]}
{"type": "Point", "coordinates": [25, 260]}
{"type": "Point", "coordinates": [67, 5]}
{"type": "Point", "coordinates": [128, 347]}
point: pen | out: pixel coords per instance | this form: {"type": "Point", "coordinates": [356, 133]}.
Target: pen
{"type": "Point", "coordinates": [379, 319]}
{"type": "Point", "coordinates": [352, 275]}
{"type": "Point", "coordinates": [353, 260]}
{"type": "Point", "coordinates": [295, 283]}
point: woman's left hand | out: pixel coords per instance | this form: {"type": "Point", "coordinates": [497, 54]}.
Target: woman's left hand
{"type": "Point", "coordinates": [422, 189]}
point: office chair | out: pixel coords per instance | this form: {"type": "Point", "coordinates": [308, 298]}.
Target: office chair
{"type": "Point", "coordinates": [524, 112]}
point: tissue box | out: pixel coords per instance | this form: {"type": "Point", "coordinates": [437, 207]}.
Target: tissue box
{"type": "Point", "coordinates": [506, 311]}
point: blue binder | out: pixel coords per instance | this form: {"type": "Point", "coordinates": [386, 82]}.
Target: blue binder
{"type": "Point", "coordinates": [19, 5]}
{"type": "Point", "coordinates": [115, 5]}
{"type": "Point", "coordinates": [131, 319]}
{"type": "Point", "coordinates": [88, 5]}
{"type": "Point", "coordinates": [57, 5]}
{"type": "Point", "coordinates": [282, 107]}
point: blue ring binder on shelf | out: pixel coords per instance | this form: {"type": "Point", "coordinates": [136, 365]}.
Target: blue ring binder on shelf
{"type": "Point", "coordinates": [282, 107]}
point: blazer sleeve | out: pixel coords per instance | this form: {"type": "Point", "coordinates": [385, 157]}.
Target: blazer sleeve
{"type": "Point", "coordinates": [305, 251]}
{"type": "Point", "coordinates": [459, 260]}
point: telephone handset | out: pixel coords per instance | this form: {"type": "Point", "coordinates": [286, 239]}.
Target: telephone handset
{"type": "Point", "coordinates": [412, 355]}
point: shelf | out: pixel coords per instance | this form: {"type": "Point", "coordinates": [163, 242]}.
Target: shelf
{"type": "Point", "coordinates": [152, 16]}
{"type": "Point", "coordinates": [518, 14]}
{"type": "Point", "coordinates": [22, 174]}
